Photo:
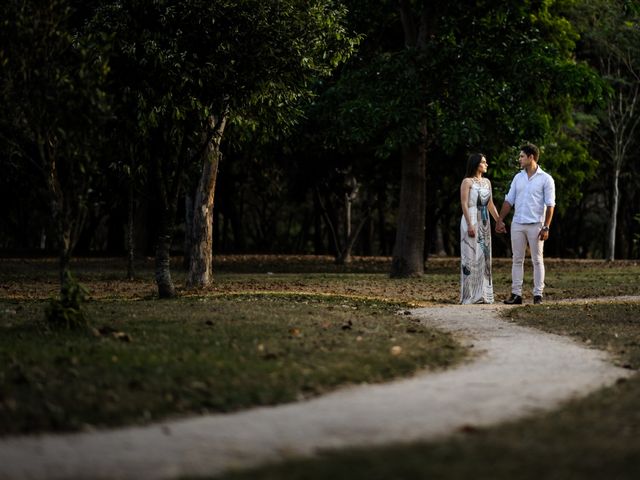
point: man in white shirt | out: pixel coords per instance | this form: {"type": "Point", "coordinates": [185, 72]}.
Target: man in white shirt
{"type": "Point", "coordinates": [533, 194]}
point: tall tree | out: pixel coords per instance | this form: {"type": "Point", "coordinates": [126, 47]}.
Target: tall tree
{"type": "Point", "coordinates": [52, 82]}
{"type": "Point", "coordinates": [611, 44]}
{"type": "Point", "coordinates": [155, 99]}
{"type": "Point", "coordinates": [195, 65]}
{"type": "Point", "coordinates": [273, 53]}
{"type": "Point", "coordinates": [453, 79]}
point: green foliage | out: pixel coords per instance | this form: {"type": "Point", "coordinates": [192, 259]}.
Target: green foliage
{"type": "Point", "coordinates": [180, 67]}
{"type": "Point", "coordinates": [311, 88]}
{"type": "Point", "coordinates": [52, 83]}
{"type": "Point", "coordinates": [181, 59]}
{"type": "Point", "coordinates": [66, 312]}
{"type": "Point", "coordinates": [54, 106]}
{"type": "Point", "coordinates": [562, 157]}
{"type": "Point", "coordinates": [610, 44]}
{"type": "Point", "coordinates": [488, 77]}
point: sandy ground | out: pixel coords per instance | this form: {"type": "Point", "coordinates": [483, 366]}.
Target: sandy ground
{"type": "Point", "coordinates": [515, 371]}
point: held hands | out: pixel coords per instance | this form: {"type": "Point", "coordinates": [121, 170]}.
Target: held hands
{"type": "Point", "coordinates": [501, 227]}
{"type": "Point", "coordinates": [471, 231]}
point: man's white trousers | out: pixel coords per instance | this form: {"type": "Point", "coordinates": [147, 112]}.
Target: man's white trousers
{"type": "Point", "coordinates": [521, 235]}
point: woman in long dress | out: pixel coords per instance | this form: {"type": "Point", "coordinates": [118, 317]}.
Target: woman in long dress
{"type": "Point", "coordinates": [476, 285]}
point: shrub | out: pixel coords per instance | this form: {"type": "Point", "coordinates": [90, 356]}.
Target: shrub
{"type": "Point", "coordinates": [66, 312]}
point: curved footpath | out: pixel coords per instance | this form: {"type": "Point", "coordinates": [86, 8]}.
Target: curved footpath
{"type": "Point", "coordinates": [516, 371]}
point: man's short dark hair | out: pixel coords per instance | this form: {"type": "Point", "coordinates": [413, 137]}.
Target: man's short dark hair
{"type": "Point", "coordinates": [530, 149]}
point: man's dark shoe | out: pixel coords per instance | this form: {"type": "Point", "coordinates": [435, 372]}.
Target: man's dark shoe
{"type": "Point", "coordinates": [537, 299]}
{"type": "Point", "coordinates": [514, 300]}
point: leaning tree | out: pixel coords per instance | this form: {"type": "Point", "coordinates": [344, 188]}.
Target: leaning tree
{"type": "Point", "coordinates": [194, 67]}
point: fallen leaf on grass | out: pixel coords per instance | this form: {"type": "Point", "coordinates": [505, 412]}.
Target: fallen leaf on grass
{"type": "Point", "coordinates": [107, 331]}
{"type": "Point", "coordinates": [122, 336]}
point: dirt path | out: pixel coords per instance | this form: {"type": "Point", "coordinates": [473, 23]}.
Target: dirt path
{"type": "Point", "coordinates": [516, 371]}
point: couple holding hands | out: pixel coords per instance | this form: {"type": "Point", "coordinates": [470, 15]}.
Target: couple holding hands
{"type": "Point", "coordinates": [532, 196]}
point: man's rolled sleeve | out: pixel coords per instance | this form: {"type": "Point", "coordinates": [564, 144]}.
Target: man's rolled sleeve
{"type": "Point", "coordinates": [550, 192]}
{"type": "Point", "coordinates": [511, 195]}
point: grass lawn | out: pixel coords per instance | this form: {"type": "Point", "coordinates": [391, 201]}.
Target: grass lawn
{"type": "Point", "coordinates": [366, 277]}
{"type": "Point", "coordinates": [151, 359]}
{"type": "Point", "coordinates": [218, 351]}
{"type": "Point", "coordinates": [275, 329]}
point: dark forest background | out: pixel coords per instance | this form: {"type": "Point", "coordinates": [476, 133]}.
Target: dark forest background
{"type": "Point", "coordinates": [308, 112]}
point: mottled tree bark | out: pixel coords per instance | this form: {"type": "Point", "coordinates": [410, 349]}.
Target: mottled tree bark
{"type": "Point", "coordinates": [201, 256]}
{"type": "Point", "coordinates": [170, 158]}
{"type": "Point", "coordinates": [613, 219]}
{"type": "Point", "coordinates": [166, 289]}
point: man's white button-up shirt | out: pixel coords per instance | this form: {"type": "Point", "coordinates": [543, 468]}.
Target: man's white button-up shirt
{"type": "Point", "coordinates": [531, 196]}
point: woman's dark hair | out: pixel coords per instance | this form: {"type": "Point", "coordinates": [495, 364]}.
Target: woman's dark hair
{"type": "Point", "coordinates": [473, 162]}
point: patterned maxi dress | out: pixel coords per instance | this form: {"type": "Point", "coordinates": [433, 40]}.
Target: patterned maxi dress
{"type": "Point", "coordinates": [476, 284]}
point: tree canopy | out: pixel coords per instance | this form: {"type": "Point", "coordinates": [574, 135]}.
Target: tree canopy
{"type": "Point", "coordinates": [310, 118]}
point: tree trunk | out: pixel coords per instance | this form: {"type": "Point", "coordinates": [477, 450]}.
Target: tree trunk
{"type": "Point", "coordinates": [367, 236]}
{"type": "Point", "coordinates": [347, 207]}
{"type": "Point", "coordinates": [200, 266]}
{"type": "Point", "coordinates": [408, 255]}
{"type": "Point", "coordinates": [439, 250]}
{"type": "Point", "coordinates": [613, 220]}
{"type": "Point", "coordinates": [171, 155]}
{"type": "Point", "coordinates": [344, 256]}
{"type": "Point", "coordinates": [188, 231]}
{"type": "Point", "coordinates": [68, 224]}
{"type": "Point", "coordinates": [332, 223]}
{"type": "Point", "coordinates": [381, 207]}
{"type": "Point", "coordinates": [166, 288]}
{"type": "Point", "coordinates": [65, 254]}
{"type": "Point", "coordinates": [130, 234]}
{"type": "Point", "coordinates": [59, 208]}
{"type": "Point", "coordinates": [318, 244]}
{"type": "Point", "coordinates": [408, 250]}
